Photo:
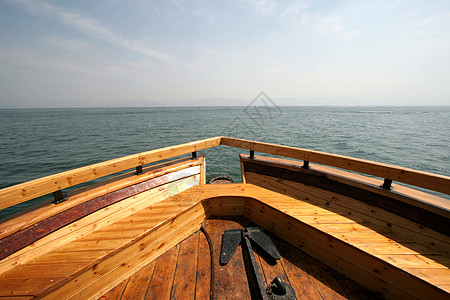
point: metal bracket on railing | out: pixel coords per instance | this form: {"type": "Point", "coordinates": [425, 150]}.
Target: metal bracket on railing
{"type": "Point", "coordinates": [139, 170]}
{"type": "Point", "coordinates": [387, 184]}
{"type": "Point", "coordinates": [252, 154]}
{"type": "Point", "coordinates": [194, 155]}
{"type": "Point", "coordinates": [305, 164]}
{"type": "Point", "coordinates": [59, 197]}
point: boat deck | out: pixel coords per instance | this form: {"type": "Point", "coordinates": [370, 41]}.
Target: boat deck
{"type": "Point", "coordinates": [378, 249]}
{"type": "Point", "coordinates": [184, 272]}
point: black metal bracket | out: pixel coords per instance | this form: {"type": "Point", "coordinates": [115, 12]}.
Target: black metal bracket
{"type": "Point", "coordinates": [59, 197]}
{"type": "Point", "coordinates": [139, 170]}
{"type": "Point", "coordinates": [252, 154]}
{"type": "Point", "coordinates": [305, 164]}
{"type": "Point", "coordinates": [194, 155]}
{"type": "Point", "coordinates": [387, 184]}
{"type": "Point", "coordinates": [232, 238]}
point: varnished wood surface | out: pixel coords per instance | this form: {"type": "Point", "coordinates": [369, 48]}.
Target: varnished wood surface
{"type": "Point", "coordinates": [35, 188]}
{"type": "Point", "coordinates": [425, 217]}
{"type": "Point", "coordinates": [18, 240]}
{"type": "Point", "coordinates": [398, 192]}
{"type": "Point", "coordinates": [439, 183]}
{"type": "Point", "coordinates": [367, 244]}
{"type": "Point", "coordinates": [47, 209]}
{"type": "Point", "coordinates": [184, 272]}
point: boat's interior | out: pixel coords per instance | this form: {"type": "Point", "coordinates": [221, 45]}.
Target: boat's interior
{"type": "Point", "coordinates": [156, 232]}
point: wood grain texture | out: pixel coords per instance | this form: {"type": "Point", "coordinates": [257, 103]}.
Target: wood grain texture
{"type": "Point", "coordinates": [294, 267]}
{"type": "Point", "coordinates": [402, 193]}
{"type": "Point", "coordinates": [179, 216]}
{"type": "Point", "coordinates": [35, 188]}
{"type": "Point", "coordinates": [18, 240]}
{"type": "Point", "coordinates": [47, 209]}
{"type": "Point", "coordinates": [186, 270]}
{"type": "Point", "coordinates": [417, 214]}
{"type": "Point", "coordinates": [374, 217]}
{"type": "Point", "coordinates": [439, 183]}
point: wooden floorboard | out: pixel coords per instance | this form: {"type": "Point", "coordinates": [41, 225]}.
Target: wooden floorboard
{"type": "Point", "coordinates": [184, 272]}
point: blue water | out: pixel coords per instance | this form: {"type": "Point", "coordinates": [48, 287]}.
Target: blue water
{"type": "Point", "coordinates": [40, 142]}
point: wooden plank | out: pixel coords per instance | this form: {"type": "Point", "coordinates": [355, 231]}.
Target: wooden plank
{"type": "Point", "coordinates": [325, 282]}
{"type": "Point", "coordinates": [138, 284]}
{"type": "Point", "coordinates": [422, 216]}
{"type": "Point", "coordinates": [376, 218]}
{"type": "Point", "coordinates": [162, 280]}
{"type": "Point", "coordinates": [47, 209]}
{"type": "Point", "coordinates": [292, 230]}
{"type": "Point", "coordinates": [390, 247]}
{"type": "Point", "coordinates": [106, 274]}
{"type": "Point", "coordinates": [126, 269]}
{"type": "Point", "coordinates": [89, 224]}
{"type": "Point", "coordinates": [439, 183]}
{"type": "Point", "coordinates": [438, 276]}
{"type": "Point", "coordinates": [35, 188]}
{"type": "Point", "coordinates": [25, 286]}
{"type": "Point", "coordinates": [12, 243]}
{"type": "Point", "coordinates": [184, 281]}
{"type": "Point", "coordinates": [203, 276]}
{"type": "Point", "coordinates": [227, 206]}
{"type": "Point", "coordinates": [354, 291]}
{"type": "Point", "coordinates": [398, 192]}
{"type": "Point", "coordinates": [229, 279]}
{"type": "Point", "coordinates": [298, 277]}
{"type": "Point", "coordinates": [115, 293]}
{"type": "Point", "coordinates": [17, 298]}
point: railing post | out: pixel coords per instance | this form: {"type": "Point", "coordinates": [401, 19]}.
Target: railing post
{"type": "Point", "coordinates": [139, 170]}
{"type": "Point", "coordinates": [387, 184]}
{"type": "Point", "coordinates": [252, 154]}
{"type": "Point", "coordinates": [194, 155]}
{"type": "Point", "coordinates": [59, 197]}
{"type": "Point", "coordinates": [305, 164]}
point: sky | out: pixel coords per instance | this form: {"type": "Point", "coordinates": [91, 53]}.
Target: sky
{"type": "Point", "coordinates": [181, 53]}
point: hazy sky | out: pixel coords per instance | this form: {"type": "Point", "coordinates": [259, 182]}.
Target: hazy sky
{"type": "Point", "coordinates": [119, 53]}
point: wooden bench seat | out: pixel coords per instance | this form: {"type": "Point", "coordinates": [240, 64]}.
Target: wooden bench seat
{"type": "Point", "coordinates": [72, 269]}
{"type": "Point", "coordinates": [401, 259]}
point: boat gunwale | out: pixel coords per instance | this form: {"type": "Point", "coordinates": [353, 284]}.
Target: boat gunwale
{"type": "Point", "coordinates": [35, 188]}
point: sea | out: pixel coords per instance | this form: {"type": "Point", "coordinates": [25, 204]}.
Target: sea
{"type": "Point", "coordinates": [40, 142]}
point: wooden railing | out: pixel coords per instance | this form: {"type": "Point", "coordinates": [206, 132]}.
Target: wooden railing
{"type": "Point", "coordinates": [435, 182]}
{"type": "Point", "coordinates": [35, 188]}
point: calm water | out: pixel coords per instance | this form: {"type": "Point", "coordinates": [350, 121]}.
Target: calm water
{"type": "Point", "coordinates": [39, 142]}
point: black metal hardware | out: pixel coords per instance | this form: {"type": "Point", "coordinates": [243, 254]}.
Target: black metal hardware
{"type": "Point", "coordinates": [278, 289]}
{"type": "Point", "coordinates": [194, 155]}
{"type": "Point", "coordinates": [252, 154]}
{"type": "Point", "coordinates": [139, 170]}
{"type": "Point", "coordinates": [59, 197]}
{"type": "Point", "coordinates": [387, 184]}
{"type": "Point", "coordinates": [232, 238]}
{"type": "Point", "coordinates": [305, 164]}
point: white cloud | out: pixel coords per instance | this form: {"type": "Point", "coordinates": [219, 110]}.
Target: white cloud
{"type": "Point", "coordinates": [93, 28]}
{"type": "Point", "coordinates": [66, 43]}
{"type": "Point", "coordinates": [265, 8]}
{"type": "Point", "coordinates": [205, 15]}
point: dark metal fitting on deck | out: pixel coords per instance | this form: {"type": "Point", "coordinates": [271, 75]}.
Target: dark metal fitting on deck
{"type": "Point", "coordinates": [252, 154]}
{"type": "Point", "coordinates": [59, 197]}
{"type": "Point", "coordinates": [387, 184]}
{"type": "Point", "coordinates": [194, 155]}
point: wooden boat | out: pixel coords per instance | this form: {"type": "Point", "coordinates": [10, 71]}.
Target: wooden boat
{"type": "Point", "coordinates": [156, 232]}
